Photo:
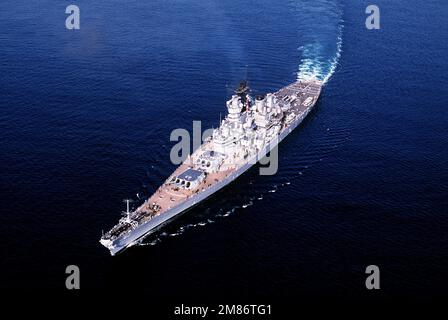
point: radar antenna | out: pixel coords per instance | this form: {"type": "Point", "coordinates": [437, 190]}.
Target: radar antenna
{"type": "Point", "coordinates": [243, 91]}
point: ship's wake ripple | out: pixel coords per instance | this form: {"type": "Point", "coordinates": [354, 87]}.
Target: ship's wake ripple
{"type": "Point", "coordinates": [320, 31]}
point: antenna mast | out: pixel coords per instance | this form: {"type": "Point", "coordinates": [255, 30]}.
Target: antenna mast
{"type": "Point", "coordinates": [128, 213]}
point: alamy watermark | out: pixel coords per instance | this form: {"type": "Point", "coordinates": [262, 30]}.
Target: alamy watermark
{"type": "Point", "coordinates": [373, 20]}
{"type": "Point", "coordinates": [373, 280]}
{"type": "Point", "coordinates": [237, 155]}
{"type": "Point", "coordinates": [73, 21]}
{"type": "Point", "coordinates": [73, 279]}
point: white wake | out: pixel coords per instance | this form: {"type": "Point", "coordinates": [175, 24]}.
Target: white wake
{"type": "Point", "coordinates": [320, 27]}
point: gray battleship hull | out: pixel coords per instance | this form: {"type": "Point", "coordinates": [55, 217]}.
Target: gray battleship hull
{"type": "Point", "coordinates": [155, 223]}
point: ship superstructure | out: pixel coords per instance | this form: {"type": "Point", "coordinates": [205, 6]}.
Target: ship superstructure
{"type": "Point", "coordinates": [252, 127]}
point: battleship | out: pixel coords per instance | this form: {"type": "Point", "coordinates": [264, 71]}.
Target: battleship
{"type": "Point", "coordinates": [251, 129]}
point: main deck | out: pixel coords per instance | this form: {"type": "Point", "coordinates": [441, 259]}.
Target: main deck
{"type": "Point", "coordinates": [168, 196]}
{"type": "Point", "coordinates": [192, 182]}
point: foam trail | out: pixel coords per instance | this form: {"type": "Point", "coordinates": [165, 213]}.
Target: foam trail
{"type": "Point", "coordinates": [321, 29]}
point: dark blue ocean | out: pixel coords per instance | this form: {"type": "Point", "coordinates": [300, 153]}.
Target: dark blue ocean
{"type": "Point", "coordinates": [86, 117]}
